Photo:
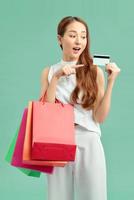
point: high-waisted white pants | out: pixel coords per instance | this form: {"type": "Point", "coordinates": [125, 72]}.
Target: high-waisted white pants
{"type": "Point", "coordinates": [85, 178]}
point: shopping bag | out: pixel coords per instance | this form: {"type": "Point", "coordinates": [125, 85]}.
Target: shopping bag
{"type": "Point", "coordinates": [9, 155]}
{"type": "Point", "coordinates": [53, 132]}
{"type": "Point", "coordinates": [18, 151]}
{"type": "Point", "coordinates": [28, 145]}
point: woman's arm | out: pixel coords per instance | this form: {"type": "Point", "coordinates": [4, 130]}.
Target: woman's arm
{"type": "Point", "coordinates": [103, 104]}
{"type": "Point", "coordinates": [48, 90]}
{"type": "Point", "coordinates": [44, 81]}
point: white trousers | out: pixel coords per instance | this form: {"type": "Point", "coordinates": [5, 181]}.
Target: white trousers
{"type": "Point", "coordinates": [85, 178]}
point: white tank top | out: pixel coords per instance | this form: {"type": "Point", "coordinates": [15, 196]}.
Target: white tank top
{"type": "Point", "coordinates": [64, 88]}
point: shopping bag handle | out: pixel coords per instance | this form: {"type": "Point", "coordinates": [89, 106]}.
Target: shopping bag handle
{"type": "Point", "coordinates": [42, 99]}
{"type": "Point", "coordinates": [58, 101]}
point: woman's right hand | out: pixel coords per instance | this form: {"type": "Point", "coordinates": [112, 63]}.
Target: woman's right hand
{"type": "Point", "coordinates": [67, 70]}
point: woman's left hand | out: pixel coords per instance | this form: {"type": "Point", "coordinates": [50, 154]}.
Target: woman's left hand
{"type": "Point", "coordinates": [113, 71]}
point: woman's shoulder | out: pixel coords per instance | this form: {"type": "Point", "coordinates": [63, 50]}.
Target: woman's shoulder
{"type": "Point", "coordinates": [48, 71]}
{"type": "Point", "coordinates": [45, 70]}
{"type": "Point", "coordinates": [44, 74]}
{"type": "Point", "coordinates": [100, 73]}
{"type": "Point", "coordinates": [53, 66]}
{"type": "Point", "coordinates": [98, 68]}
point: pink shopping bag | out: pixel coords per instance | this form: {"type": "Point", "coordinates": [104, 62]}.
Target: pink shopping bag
{"type": "Point", "coordinates": [18, 151]}
{"type": "Point", "coordinates": [53, 131]}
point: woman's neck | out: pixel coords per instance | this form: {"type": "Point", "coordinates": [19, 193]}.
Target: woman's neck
{"type": "Point", "coordinates": [68, 61]}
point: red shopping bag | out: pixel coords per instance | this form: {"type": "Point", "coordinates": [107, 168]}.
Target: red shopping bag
{"type": "Point", "coordinates": [53, 131]}
{"type": "Point", "coordinates": [18, 151]}
{"type": "Point", "coordinates": [28, 145]}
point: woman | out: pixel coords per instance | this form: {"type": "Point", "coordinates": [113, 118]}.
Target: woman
{"type": "Point", "coordinates": [76, 80]}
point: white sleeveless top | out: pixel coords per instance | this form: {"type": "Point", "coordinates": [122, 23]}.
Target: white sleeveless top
{"type": "Point", "coordinates": [64, 88]}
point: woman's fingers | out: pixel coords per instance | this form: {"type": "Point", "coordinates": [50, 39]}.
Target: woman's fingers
{"type": "Point", "coordinates": [71, 69]}
{"type": "Point", "coordinates": [77, 66]}
{"type": "Point", "coordinates": [113, 70]}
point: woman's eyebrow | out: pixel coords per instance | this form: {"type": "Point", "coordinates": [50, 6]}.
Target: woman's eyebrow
{"type": "Point", "coordinates": [76, 31]}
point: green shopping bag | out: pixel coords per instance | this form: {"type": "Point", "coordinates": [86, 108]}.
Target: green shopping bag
{"type": "Point", "coordinates": [9, 155]}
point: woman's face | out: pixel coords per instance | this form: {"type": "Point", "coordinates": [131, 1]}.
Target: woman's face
{"type": "Point", "coordinates": [74, 41]}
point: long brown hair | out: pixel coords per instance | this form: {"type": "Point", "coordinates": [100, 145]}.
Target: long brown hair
{"type": "Point", "coordinates": [85, 76]}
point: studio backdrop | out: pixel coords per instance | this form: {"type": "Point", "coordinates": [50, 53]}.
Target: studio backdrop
{"type": "Point", "coordinates": [28, 44]}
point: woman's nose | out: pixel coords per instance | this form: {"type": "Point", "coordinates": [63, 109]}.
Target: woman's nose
{"type": "Point", "coordinates": [77, 41]}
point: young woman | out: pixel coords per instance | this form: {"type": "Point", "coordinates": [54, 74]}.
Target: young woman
{"type": "Point", "coordinates": [74, 79]}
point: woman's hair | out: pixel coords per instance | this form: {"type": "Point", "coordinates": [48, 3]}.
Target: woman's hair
{"type": "Point", "coordinates": [85, 76]}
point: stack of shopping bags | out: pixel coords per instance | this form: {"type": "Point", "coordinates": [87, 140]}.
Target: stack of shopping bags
{"type": "Point", "coordinates": [45, 138]}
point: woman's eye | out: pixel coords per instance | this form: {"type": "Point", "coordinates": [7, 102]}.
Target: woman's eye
{"type": "Point", "coordinates": [72, 35]}
{"type": "Point", "coordinates": [83, 37]}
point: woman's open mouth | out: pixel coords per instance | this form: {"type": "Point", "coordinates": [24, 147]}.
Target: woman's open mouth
{"type": "Point", "coordinates": [76, 50]}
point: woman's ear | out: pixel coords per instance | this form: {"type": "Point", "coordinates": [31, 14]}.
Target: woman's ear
{"type": "Point", "coordinates": [59, 39]}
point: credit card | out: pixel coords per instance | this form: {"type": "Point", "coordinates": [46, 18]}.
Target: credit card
{"type": "Point", "coordinates": [99, 59]}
